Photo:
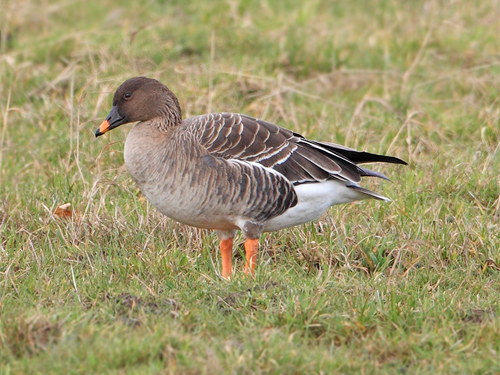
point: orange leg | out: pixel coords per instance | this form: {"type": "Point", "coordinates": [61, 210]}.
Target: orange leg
{"type": "Point", "coordinates": [251, 249]}
{"type": "Point", "coordinates": [226, 250]}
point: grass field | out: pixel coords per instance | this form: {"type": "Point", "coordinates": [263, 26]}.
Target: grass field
{"type": "Point", "coordinates": [409, 287]}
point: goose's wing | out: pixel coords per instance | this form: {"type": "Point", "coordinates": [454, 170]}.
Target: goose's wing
{"type": "Point", "coordinates": [241, 137]}
{"type": "Point", "coordinates": [250, 190]}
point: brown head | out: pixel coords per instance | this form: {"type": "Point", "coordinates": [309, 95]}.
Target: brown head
{"type": "Point", "coordinates": [142, 99]}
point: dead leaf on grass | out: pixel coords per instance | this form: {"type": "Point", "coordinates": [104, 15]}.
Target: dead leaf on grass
{"type": "Point", "coordinates": [64, 211]}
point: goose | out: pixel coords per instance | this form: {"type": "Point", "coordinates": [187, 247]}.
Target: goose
{"type": "Point", "coordinates": [229, 171]}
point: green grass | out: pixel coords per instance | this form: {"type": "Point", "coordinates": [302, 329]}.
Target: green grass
{"type": "Point", "coordinates": [409, 287]}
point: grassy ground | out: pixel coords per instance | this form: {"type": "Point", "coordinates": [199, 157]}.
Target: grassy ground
{"type": "Point", "coordinates": [406, 287]}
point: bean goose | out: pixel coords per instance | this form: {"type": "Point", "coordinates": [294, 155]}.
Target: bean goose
{"type": "Point", "coordinates": [228, 171]}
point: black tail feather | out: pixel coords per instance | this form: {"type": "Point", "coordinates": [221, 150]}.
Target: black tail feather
{"type": "Point", "coordinates": [359, 157]}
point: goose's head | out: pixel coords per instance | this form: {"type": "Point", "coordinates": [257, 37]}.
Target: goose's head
{"type": "Point", "coordinates": [142, 99]}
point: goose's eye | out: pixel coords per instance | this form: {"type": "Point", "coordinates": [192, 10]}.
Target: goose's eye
{"type": "Point", "coordinates": [128, 95]}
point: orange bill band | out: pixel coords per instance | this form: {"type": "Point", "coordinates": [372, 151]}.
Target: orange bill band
{"type": "Point", "coordinates": [113, 120]}
{"type": "Point", "coordinates": [103, 128]}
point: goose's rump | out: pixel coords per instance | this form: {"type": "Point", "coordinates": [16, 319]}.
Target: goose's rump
{"type": "Point", "coordinates": [315, 198]}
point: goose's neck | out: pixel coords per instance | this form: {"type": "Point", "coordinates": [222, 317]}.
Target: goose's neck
{"type": "Point", "coordinates": [165, 124]}
{"type": "Point", "coordinates": [169, 113]}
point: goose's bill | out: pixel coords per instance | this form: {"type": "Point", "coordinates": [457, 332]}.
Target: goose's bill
{"type": "Point", "coordinates": [113, 120]}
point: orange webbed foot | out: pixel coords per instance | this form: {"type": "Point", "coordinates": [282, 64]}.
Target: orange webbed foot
{"type": "Point", "coordinates": [251, 250]}
{"type": "Point", "coordinates": [226, 250]}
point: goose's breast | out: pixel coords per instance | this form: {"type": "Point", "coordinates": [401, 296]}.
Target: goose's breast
{"type": "Point", "coordinates": [178, 185]}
